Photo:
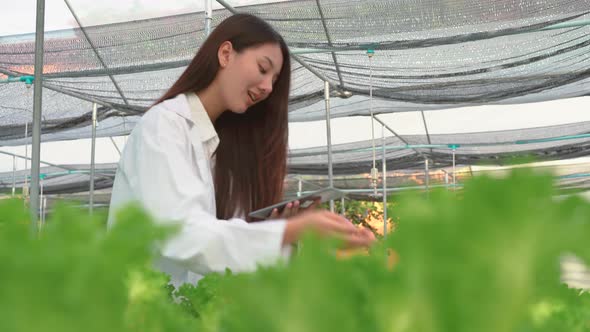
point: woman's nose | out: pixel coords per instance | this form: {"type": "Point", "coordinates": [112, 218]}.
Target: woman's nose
{"type": "Point", "coordinates": [266, 87]}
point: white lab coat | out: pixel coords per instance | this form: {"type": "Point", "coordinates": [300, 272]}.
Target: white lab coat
{"type": "Point", "coordinates": [166, 167]}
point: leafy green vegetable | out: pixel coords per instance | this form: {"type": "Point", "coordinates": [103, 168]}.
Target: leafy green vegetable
{"type": "Point", "coordinates": [485, 260]}
{"type": "Point", "coordinates": [74, 276]}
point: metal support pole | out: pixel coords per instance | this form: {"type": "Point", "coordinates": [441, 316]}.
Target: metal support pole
{"type": "Point", "coordinates": [374, 171]}
{"type": "Point", "coordinates": [426, 176]}
{"type": "Point", "coordinates": [26, 186]}
{"type": "Point", "coordinates": [209, 16]}
{"type": "Point", "coordinates": [91, 203]}
{"type": "Point", "coordinates": [41, 161]}
{"type": "Point", "coordinates": [42, 198]}
{"type": "Point", "coordinates": [13, 175]}
{"type": "Point", "coordinates": [116, 146]}
{"type": "Point", "coordinates": [342, 209]}
{"type": "Point", "coordinates": [125, 130]}
{"type": "Point", "coordinates": [299, 188]}
{"type": "Point", "coordinates": [329, 137]}
{"type": "Point", "coordinates": [454, 178]}
{"type": "Point", "coordinates": [44, 205]}
{"type": "Point", "coordinates": [384, 183]}
{"type": "Point", "coordinates": [37, 101]}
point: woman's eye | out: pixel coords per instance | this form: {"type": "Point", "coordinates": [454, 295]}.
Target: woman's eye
{"type": "Point", "coordinates": [262, 70]}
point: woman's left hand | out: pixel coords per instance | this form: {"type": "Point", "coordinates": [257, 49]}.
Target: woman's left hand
{"type": "Point", "coordinates": [291, 209]}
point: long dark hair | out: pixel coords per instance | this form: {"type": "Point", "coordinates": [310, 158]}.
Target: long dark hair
{"type": "Point", "coordinates": [251, 159]}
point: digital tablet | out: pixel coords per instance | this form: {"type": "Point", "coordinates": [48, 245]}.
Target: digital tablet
{"type": "Point", "coordinates": [324, 195]}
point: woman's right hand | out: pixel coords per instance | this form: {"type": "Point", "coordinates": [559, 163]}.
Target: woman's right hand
{"type": "Point", "coordinates": [327, 224]}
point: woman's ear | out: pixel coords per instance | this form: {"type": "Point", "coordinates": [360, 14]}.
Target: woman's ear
{"type": "Point", "coordinates": [224, 53]}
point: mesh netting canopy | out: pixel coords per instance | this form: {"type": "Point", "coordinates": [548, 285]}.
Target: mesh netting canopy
{"type": "Point", "coordinates": [74, 179]}
{"type": "Point", "coordinates": [428, 55]}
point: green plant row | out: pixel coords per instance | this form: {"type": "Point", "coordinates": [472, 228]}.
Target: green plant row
{"type": "Point", "coordinates": [487, 260]}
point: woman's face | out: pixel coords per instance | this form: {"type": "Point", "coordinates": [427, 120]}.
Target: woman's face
{"type": "Point", "coordinates": [248, 77]}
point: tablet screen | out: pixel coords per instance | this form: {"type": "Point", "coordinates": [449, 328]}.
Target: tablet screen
{"type": "Point", "coordinates": [305, 201]}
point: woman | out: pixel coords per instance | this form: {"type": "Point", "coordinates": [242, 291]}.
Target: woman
{"type": "Point", "coordinates": [213, 149]}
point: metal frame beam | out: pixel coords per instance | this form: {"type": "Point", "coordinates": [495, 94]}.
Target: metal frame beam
{"type": "Point", "coordinates": [100, 59]}
{"type": "Point", "coordinates": [396, 134]}
{"type": "Point", "coordinates": [330, 43]}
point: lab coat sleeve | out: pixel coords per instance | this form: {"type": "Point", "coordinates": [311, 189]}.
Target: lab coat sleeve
{"type": "Point", "coordinates": [162, 171]}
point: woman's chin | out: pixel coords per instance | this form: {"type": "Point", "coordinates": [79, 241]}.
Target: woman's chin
{"type": "Point", "coordinates": [240, 109]}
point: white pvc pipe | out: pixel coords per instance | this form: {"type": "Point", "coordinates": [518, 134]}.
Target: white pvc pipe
{"type": "Point", "coordinates": [93, 150]}
{"type": "Point", "coordinates": [329, 138]}
{"type": "Point", "coordinates": [125, 130]}
{"type": "Point", "coordinates": [384, 183]}
{"type": "Point", "coordinates": [41, 198]}
{"type": "Point", "coordinates": [13, 175]}
{"type": "Point", "coordinates": [43, 205]}
{"type": "Point", "coordinates": [426, 177]}
{"type": "Point", "coordinates": [208, 16]}
{"type": "Point", "coordinates": [116, 146]}
{"type": "Point", "coordinates": [454, 178]}
{"type": "Point", "coordinates": [44, 209]}
{"type": "Point", "coordinates": [26, 186]}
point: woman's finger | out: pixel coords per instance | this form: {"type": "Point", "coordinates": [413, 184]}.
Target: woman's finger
{"type": "Point", "coordinates": [287, 211]}
{"type": "Point", "coordinates": [368, 234]}
{"type": "Point", "coordinates": [352, 240]}
{"type": "Point", "coordinates": [274, 214]}
{"type": "Point", "coordinates": [295, 208]}
{"type": "Point", "coordinates": [358, 239]}
{"type": "Point", "coordinates": [337, 226]}
{"type": "Point", "coordinates": [351, 235]}
{"type": "Point", "coordinates": [340, 219]}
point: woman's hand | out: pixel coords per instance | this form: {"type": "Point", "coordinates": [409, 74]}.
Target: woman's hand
{"type": "Point", "coordinates": [327, 224]}
{"type": "Point", "coordinates": [292, 209]}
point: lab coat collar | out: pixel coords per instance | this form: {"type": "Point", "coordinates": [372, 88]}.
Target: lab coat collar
{"type": "Point", "coordinates": [189, 106]}
{"type": "Point", "coordinates": [200, 117]}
